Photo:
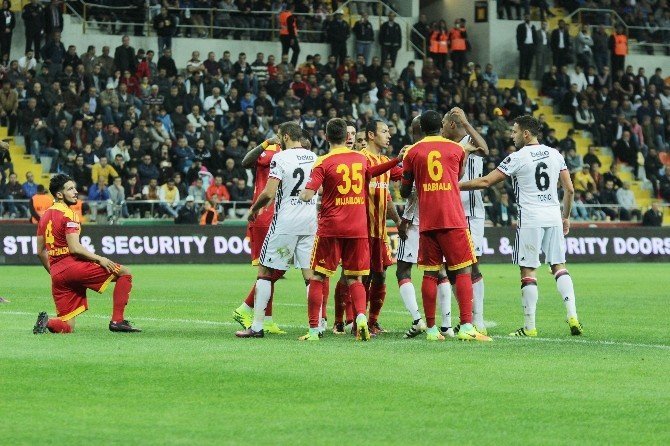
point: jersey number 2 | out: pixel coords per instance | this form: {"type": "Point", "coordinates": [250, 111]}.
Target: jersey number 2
{"type": "Point", "coordinates": [541, 177]}
{"type": "Point", "coordinates": [298, 173]}
{"type": "Point", "coordinates": [352, 179]}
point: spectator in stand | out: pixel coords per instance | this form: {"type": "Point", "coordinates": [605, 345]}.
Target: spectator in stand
{"type": "Point", "coordinates": [663, 184]}
{"type": "Point", "coordinates": [116, 205]}
{"type": "Point", "coordinates": [543, 57]}
{"type": "Point", "coordinates": [33, 22]}
{"type": "Point", "coordinates": [628, 205]}
{"type": "Point", "coordinates": [561, 46]}
{"type": "Point", "coordinates": [573, 161]}
{"type": "Point", "coordinates": [337, 35]}
{"type": "Point", "coordinates": [165, 26]}
{"type": "Point", "coordinates": [626, 150]}
{"type": "Point", "coordinates": [168, 196]}
{"type": "Point", "coordinates": [5, 161]}
{"type": "Point", "coordinates": [458, 44]}
{"type": "Point", "coordinates": [97, 197]}
{"type": "Point", "coordinates": [209, 214]}
{"type": "Point", "coordinates": [124, 56]}
{"type": "Point", "coordinates": [390, 38]}
{"type": "Point", "coordinates": [102, 170]}
{"type": "Point", "coordinates": [242, 195]}
{"type": "Point", "coordinates": [653, 167]}
{"type": "Point", "coordinates": [9, 107]}
{"type": "Point", "coordinates": [609, 196]}
{"type": "Point", "coordinates": [365, 36]}
{"type": "Point", "coordinates": [618, 45]}
{"type": "Point", "coordinates": [584, 48]}
{"type": "Point", "coordinates": [654, 216]}
{"type": "Point", "coordinates": [218, 193]}
{"type": "Point", "coordinates": [14, 192]}
{"type": "Point", "coordinates": [187, 214]}
{"type": "Point", "coordinates": [288, 33]}
{"type": "Point", "coordinates": [583, 181]}
{"type": "Point", "coordinates": [526, 44]}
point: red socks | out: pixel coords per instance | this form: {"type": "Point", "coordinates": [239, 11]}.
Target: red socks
{"type": "Point", "coordinates": [463, 287]}
{"type": "Point", "coordinates": [349, 307]}
{"type": "Point", "coordinates": [341, 293]}
{"type": "Point", "coordinates": [314, 301]}
{"type": "Point", "coordinates": [429, 297]}
{"type": "Point", "coordinates": [326, 292]}
{"type": "Point", "coordinates": [377, 297]}
{"type": "Point", "coordinates": [120, 297]}
{"type": "Point", "coordinates": [250, 298]}
{"type": "Point", "coordinates": [58, 326]}
{"type": "Point", "coordinates": [357, 292]}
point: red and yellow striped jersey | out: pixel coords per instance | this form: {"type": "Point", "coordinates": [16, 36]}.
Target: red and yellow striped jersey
{"type": "Point", "coordinates": [378, 194]}
{"type": "Point", "coordinates": [261, 179]}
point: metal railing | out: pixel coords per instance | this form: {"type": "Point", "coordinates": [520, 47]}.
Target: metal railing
{"type": "Point", "coordinates": [220, 23]}
{"type": "Point", "coordinates": [610, 19]}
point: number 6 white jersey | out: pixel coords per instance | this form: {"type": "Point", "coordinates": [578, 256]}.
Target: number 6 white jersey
{"type": "Point", "coordinates": [535, 172]}
{"type": "Point", "coordinates": [292, 215]}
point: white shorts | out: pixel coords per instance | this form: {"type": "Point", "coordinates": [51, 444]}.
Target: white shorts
{"type": "Point", "coordinates": [530, 241]}
{"type": "Point", "coordinates": [280, 251]}
{"type": "Point", "coordinates": [476, 227]}
{"type": "Point", "coordinates": [408, 249]}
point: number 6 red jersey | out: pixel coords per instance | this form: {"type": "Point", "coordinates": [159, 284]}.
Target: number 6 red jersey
{"type": "Point", "coordinates": [434, 164]}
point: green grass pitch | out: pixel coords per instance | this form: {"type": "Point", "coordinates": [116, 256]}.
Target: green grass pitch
{"type": "Point", "coordinates": [187, 380]}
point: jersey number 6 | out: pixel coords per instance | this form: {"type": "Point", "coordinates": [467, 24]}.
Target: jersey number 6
{"type": "Point", "coordinates": [541, 177]}
{"type": "Point", "coordinates": [435, 168]}
{"type": "Point", "coordinates": [352, 179]}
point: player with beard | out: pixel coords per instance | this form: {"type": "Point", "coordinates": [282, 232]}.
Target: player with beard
{"type": "Point", "coordinates": [260, 157]}
{"type": "Point", "coordinates": [73, 268]}
{"type": "Point", "coordinates": [536, 170]}
{"type": "Point", "coordinates": [380, 206]}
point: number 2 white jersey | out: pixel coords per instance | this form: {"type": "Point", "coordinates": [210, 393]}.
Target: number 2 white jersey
{"type": "Point", "coordinates": [535, 174]}
{"type": "Point", "coordinates": [292, 215]}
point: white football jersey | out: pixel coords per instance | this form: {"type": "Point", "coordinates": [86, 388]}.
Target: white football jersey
{"type": "Point", "coordinates": [473, 204]}
{"type": "Point", "coordinates": [535, 174]}
{"type": "Point", "coordinates": [292, 215]}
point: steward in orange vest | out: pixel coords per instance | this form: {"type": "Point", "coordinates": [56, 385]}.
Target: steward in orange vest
{"type": "Point", "coordinates": [439, 47]}
{"type": "Point", "coordinates": [288, 33]}
{"type": "Point", "coordinates": [39, 204]}
{"type": "Point", "coordinates": [619, 49]}
{"type": "Point", "coordinates": [458, 44]}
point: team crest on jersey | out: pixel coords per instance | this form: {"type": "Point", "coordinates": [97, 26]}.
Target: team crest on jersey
{"type": "Point", "coordinates": [273, 164]}
{"type": "Point", "coordinates": [507, 160]}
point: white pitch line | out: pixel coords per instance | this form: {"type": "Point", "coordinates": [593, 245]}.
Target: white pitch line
{"type": "Point", "coordinates": [516, 339]}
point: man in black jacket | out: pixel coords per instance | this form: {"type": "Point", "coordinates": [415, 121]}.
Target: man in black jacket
{"type": "Point", "coordinates": [33, 21]}
{"type": "Point", "coordinates": [525, 43]}
{"type": "Point", "coordinates": [124, 56]}
{"type": "Point", "coordinates": [365, 37]}
{"type": "Point", "coordinates": [337, 35]}
{"type": "Point", "coordinates": [165, 26]}
{"type": "Point", "coordinates": [561, 46]}
{"type": "Point", "coordinates": [187, 215]}
{"type": "Point", "coordinates": [53, 18]}
{"type": "Point", "coordinates": [7, 24]}
{"type": "Point", "coordinates": [390, 38]}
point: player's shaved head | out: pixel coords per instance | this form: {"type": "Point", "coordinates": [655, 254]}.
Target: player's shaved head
{"type": "Point", "coordinates": [336, 131]}
{"type": "Point", "coordinates": [292, 130]}
{"type": "Point", "coordinates": [431, 122]}
{"type": "Point", "coordinates": [415, 129]}
{"type": "Point", "coordinates": [527, 122]}
{"type": "Point", "coordinates": [57, 183]}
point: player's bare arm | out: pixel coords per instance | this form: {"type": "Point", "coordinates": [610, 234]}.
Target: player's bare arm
{"type": "Point", "coordinates": [568, 197]}
{"type": "Point", "coordinates": [494, 177]}
{"type": "Point", "coordinates": [264, 198]}
{"type": "Point", "coordinates": [253, 154]}
{"type": "Point", "coordinates": [392, 213]}
{"type": "Point", "coordinates": [42, 253]}
{"type": "Point", "coordinates": [307, 194]}
{"type": "Point", "coordinates": [78, 250]}
{"type": "Point", "coordinates": [478, 146]}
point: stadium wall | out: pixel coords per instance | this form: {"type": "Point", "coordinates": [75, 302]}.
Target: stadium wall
{"type": "Point", "coordinates": [228, 244]}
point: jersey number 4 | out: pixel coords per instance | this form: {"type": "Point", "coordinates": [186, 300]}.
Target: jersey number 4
{"type": "Point", "coordinates": [352, 179]}
{"type": "Point", "coordinates": [49, 234]}
{"type": "Point", "coordinates": [541, 177]}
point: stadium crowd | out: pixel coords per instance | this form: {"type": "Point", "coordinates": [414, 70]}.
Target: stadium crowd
{"type": "Point", "coordinates": [130, 124]}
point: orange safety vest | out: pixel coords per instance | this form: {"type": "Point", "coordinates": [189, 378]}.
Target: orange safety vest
{"type": "Point", "coordinates": [457, 40]}
{"type": "Point", "coordinates": [438, 42]}
{"type": "Point", "coordinates": [620, 44]}
{"type": "Point", "coordinates": [41, 202]}
{"type": "Point", "coordinates": [78, 210]}
{"type": "Point", "coordinates": [283, 23]}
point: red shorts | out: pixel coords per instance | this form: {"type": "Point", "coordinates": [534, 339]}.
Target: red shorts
{"type": "Point", "coordinates": [69, 287]}
{"type": "Point", "coordinates": [380, 255]}
{"type": "Point", "coordinates": [256, 238]}
{"type": "Point", "coordinates": [454, 245]}
{"type": "Point", "coordinates": [354, 253]}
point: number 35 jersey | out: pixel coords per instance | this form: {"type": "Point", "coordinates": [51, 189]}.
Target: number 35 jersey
{"type": "Point", "coordinates": [292, 216]}
{"type": "Point", "coordinates": [535, 171]}
{"type": "Point", "coordinates": [434, 164]}
{"type": "Point", "coordinates": [342, 174]}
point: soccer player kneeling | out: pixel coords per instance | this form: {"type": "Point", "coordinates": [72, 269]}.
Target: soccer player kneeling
{"type": "Point", "coordinates": [73, 268]}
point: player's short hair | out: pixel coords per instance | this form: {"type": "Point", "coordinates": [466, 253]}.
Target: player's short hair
{"type": "Point", "coordinates": [291, 129]}
{"type": "Point", "coordinates": [57, 183]}
{"type": "Point", "coordinates": [336, 131]}
{"type": "Point", "coordinates": [431, 122]}
{"type": "Point", "coordinates": [372, 126]}
{"type": "Point", "coordinates": [527, 122]}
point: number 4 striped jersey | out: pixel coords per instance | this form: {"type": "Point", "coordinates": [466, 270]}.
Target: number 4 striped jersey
{"type": "Point", "coordinates": [434, 164]}
{"type": "Point", "coordinates": [535, 171]}
{"type": "Point", "coordinates": [292, 216]}
{"type": "Point", "coordinates": [378, 194]}
{"type": "Point", "coordinates": [342, 174]}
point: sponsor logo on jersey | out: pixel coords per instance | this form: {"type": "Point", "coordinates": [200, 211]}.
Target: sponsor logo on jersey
{"type": "Point", "coordinates": [539, 153]}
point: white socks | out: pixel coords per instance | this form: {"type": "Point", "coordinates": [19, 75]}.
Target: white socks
{"type": "Point", "coordinates": [478, 303]}
{"type": "Point", "coordinates": [567, 291]}
{"type": "Point", "coordinates": [408, 296]}
{"type": "Point", "coordinates": [444, 301]}
{"type": "Point", "coordinates": [263, 293]}
{"type": "Point", "coordinates": [529, 301]}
